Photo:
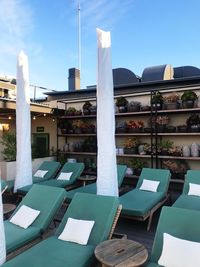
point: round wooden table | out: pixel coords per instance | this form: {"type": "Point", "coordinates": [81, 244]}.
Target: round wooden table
{"type": "Point", "coordinates": [121, 253]}
{"type": "Point", "coordinates": [8, 208]}
{"type": "Point", "coordinates": [87, 178]}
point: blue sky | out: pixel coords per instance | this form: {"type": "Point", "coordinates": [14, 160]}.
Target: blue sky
{"type": "Point", "coordinates": [143, 32]}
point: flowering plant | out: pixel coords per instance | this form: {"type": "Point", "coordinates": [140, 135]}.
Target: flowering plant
{"type": "Point", "coordinates": [131, 142]}
{"type": "Point", "coordinates": [171, 98]}
{"type": "Point", "coordinates": [162, 120]}
{"type": "Point", "coordinates": [135, 124]}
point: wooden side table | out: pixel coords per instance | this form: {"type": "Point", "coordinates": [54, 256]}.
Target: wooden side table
{"type": "Point", "coordinates": [87, 178]}
{"type": "Point", "coordinates": [121, 253]}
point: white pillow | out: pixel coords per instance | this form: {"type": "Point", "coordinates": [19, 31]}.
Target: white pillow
{"type": "Point", "coordinates": [178, 252]}
{"type": "Point", "coordinates": [65, 176]}
{"type": "Point", "coordinates": [77, 231]}
{"type": "Point", "coordinates": [40, 173]}
{"type": "Point", "coordinates": [25, 216]}
{"type": "Point", "coordinates": [149, 185]}
{"type": "Point", "coordinates": [194, 189]}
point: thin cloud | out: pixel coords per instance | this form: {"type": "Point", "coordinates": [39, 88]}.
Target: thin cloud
{"type": "Point", "coordinates": [15, 24]}
{"type": "Point", "coordinates": [103, 13]}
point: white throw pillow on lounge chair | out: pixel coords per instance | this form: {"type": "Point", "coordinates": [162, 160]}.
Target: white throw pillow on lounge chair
{"type": "Point", "coordinates": [77, 231]}
{"type": "Point", "coordinates": [149, 185]}
{"type": "Point", "coordinates": [25, 216]}
{"type": "Point", "coordinates": [178, 252]}
{"type": "Point", "coordinates": [194, 189]}
{"type": "Point", "coordinates": [40, 173]}
{"type": "Point", "coordinates": [65, 176]}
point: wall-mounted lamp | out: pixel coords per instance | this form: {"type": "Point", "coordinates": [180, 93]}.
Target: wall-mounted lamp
{"type": "Point", "coordinates": [10, 118]}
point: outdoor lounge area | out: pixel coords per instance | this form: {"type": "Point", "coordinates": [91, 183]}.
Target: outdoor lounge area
{"type": "Point", "coordinates": [44, 236]}
{"type": "Point", "coordinates": [117, 178]}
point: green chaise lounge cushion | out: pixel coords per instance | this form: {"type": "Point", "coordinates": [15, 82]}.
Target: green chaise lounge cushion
{"type": "Point", "coordinates": [53, 252]}
{"type": "Point", "coordinates": [51, 166]}
{"type": "Point", "coordinates": [188, 201]}
{"type": "Point", "coordinates": [92, 188]}
{"type": "Point", "coordinates": [44, 198]}
{"type": "Point", "coordinates": [139, 202]}
{"type": "Point", "coordinates": [75, 168]}
{"type": "Point", "coordinates": [180, 223]}
{"type": "Point", "coordinates": [3, 184]}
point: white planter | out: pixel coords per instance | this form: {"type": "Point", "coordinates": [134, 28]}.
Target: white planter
{"type": "Point", "coordinates": [8, 168]}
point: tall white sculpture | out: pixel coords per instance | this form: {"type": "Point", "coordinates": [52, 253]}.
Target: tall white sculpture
{"type": "Point", "coordinates": [23, 123]}
{"type": "Point", "coordinates": [107, 183]}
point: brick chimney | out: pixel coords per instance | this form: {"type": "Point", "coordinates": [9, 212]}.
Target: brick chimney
{"type": "Point", "coordinates": [74, 79]}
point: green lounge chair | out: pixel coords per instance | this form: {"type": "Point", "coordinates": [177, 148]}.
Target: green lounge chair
{"type": "Point", "coordinates": [54, 252]}
{"type": "Point", "coordinates": [141, 205]}
{"type": "Point", "coordinates": [51, 166]}
{"type": "Point", "coordinates": [75, 168]}
{"type": "Point", "coordinates": [180, 223]}
{"type": "Point", "coordinates": [3, 186]}
{"type": "Point", "coordinates": [43, 198]}
{"type": "Point", "coordinates": [92, 188]}
{"type": "Point", "coordinates": [188, 201]}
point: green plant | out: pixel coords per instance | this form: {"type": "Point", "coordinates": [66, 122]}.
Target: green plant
{"type": "Point", "coordinates": [137, 163]}
{"type": "Point", "coordinates": [165, 145]}
{"type": "Point", "coordinates": [87, 105]}
{"type": "Point", "coordinates": [70, 111]}
{"type": "Point", "coordinates": [121, 101]}
{"type": "Point", "coordinates": [194, 119]}
{"type": "Point", "coordinates": [189, 95]}
{"type": "Point", "coordinates": [157, 98]}
{"type": "Point", "coordinates": [77, 124]}
{"type": "Point", "coordinates": [9, 143]}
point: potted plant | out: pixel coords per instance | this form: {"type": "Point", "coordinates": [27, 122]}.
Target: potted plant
{"type": "Point", "coordinates": [122, 104]}
{"type": "Point", "coordinates": [193, 123]}
{"type": "Point", "coordinates": [157, 100]}
{"type": "Point", "coordinates": [161, 123]}
{"type": "Point", "coordinates": [78, 113]}
{"type": "Point", "coordinates": [70, 111]}
{"type": "Point", "coordinates": [164, 147]}
{"type": "Point", "coordinates": [188, 99]}
{"type": "Point", "coordinates": [121, 127]}
{"type": "Point", "coordinates": [93, 110]}
{"type": "Point", "coordinates": [86, 108]}
{"type": "Point", "coordinates": [134, 106]}
{"type": "Point", "coordinates": [65, 126]}
{"type": "Point", "coordinates": [9, 146]}
{"type": "Point", "coordinates": [175, 151]}
{"type": "Point", "coordinates": [171, 101]}
{"type": "Point", "coordinates": [87, 127]}
{"type": "Point", "coordinates": [90, 144]}
{"type": "Point", "coordinates": [178, 169]}
{"type": "Point", "coordinates": [137, 165]}
{"type": "Point", "coordinates": [77, 126]}
{"type": "Point", "coordinates": [134, 126]}
{"type": "Point", "coordinates": [130, 145]}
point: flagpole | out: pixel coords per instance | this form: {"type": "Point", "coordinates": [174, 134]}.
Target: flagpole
{"type": "Point", "coordinates": [79, 39]}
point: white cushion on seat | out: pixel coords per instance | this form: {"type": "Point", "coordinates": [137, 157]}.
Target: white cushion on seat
{"type": "Point", "coordinates": [194, 189]}
{"type": "Point", "coordinates": [178, 252]}
{"type": "Point", "coordinates": [25, 216]}
{"type": "Point", "coordinates": [65, 176]}
{"type": "Point", "coordinates": [40, 173]}
{"type": "Point", "coordinates": [77, 231]}
{"type": "Point", "coordinates": [149, 185]}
